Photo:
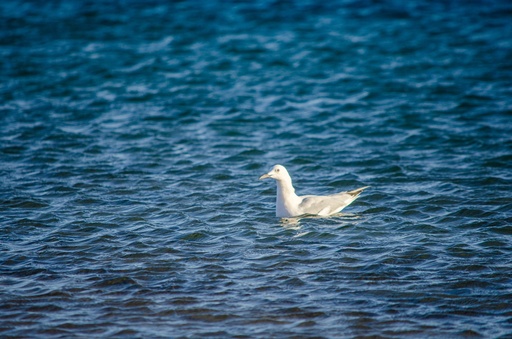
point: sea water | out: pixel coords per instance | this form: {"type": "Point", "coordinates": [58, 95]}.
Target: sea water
{"type": "Point", "coordinates": [133, 133]}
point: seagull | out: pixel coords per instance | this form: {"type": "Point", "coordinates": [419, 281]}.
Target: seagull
{"type": "Point", "coordinates": [289, 204]}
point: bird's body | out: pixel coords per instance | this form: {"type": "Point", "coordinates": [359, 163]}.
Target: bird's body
{"type": "Point", "coordinates": [289, 204]}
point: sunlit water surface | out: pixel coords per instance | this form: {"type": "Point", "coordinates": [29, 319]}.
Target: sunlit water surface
{"type": "Point", "coordinates": [133, 134]}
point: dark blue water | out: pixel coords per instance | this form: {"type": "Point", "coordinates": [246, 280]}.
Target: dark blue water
{"type": "Point", "coordinates": [133, 134]}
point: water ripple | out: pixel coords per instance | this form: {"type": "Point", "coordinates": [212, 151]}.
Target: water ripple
{"type": "Point", "coordinates": [130, 153]}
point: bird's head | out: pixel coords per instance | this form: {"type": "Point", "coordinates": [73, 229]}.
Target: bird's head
{"type": "Point", "coordinates": [278, 172]}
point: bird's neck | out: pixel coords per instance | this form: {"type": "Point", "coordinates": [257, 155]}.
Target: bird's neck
{"type": "Point", "coordinates": [287, 202]}
{"type": "Point", "coordinates": [285, 190]}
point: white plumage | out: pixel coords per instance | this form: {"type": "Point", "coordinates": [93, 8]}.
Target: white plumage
{"type": "Point", "coordinates": [289, 204]}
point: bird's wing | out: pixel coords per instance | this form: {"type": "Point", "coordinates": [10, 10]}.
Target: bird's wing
{"type": "Point", "coordinates": [328, 204]}
{"type": "Point", "coordinates": [324, 205]}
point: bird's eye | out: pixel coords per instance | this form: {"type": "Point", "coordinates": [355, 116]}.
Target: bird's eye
{"type": "Point", "coordinates": [277, 169]}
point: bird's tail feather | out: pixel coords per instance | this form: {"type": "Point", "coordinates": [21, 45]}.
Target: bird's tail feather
{"type": "Point", "coordinates": [356, 192]}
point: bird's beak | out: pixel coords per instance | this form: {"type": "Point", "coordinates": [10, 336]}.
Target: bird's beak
{"type": "Point", "coordinates": [265, 176]}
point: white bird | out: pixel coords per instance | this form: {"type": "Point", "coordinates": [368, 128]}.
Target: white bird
{"type": "Point", "coordinates": [289, 204]}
